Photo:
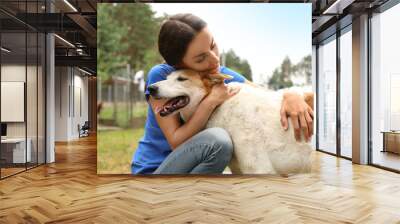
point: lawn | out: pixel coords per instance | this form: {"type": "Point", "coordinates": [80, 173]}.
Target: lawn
{"type": "Point", "coordinates": [115, 149]}
{"type": "Point", "coordinates": [139, 110]}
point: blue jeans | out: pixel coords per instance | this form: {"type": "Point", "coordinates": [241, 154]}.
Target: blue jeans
{"type": "Point", "coordinates": [207, 152]}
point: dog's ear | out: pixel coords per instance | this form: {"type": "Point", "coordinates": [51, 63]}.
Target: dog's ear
{"type": "Point", "coordinates": [213, 79]}
{"type": "Point", "coordinates": [218, 78]}
{"type": "Point", "coordinates": [309, 98]}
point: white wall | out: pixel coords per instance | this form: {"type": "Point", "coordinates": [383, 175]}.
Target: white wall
{"type": "Point", "coordinates": [12, 99]}
{"type": "Point", "coordinates": [81, 84]}
{"type": "Point", "coordinates": [33, 125]}
{"type": "Point", "coordinates": [61, 103]}
{"type": "Point", "coordinates": [71, 87]}
{"type": "Point", "coordinates": [12, 73]}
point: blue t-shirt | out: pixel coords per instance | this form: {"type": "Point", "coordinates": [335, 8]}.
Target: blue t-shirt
{"type": "Point", "coordinates": [153, 148]}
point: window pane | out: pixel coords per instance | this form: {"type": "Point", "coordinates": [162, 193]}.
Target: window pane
{"type": "Point", "coordinates": [31, 97]}
{"type": "Point", "coordinates": [14, 150]}
{"type": "Point", "coordinates": [327, 97]}
{"type": "Point", "coordinates": [386, 89]}
{"type": "Point", "coordinates": [345, 94]}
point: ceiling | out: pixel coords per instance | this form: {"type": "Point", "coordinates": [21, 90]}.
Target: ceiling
{"type": "Point", "coordinates": [329, 16]}
{"type": "Point", "coordinates": [74, 22]}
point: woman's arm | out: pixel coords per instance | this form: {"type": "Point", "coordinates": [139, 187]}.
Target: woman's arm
{"type": "Point", "coordinates": [176, 133]}
{"type": "Point", "coordinates": [300, 110]}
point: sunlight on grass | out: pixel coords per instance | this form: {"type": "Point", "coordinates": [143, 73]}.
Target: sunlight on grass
{"type": "Point", "coordinates": [115, 149]}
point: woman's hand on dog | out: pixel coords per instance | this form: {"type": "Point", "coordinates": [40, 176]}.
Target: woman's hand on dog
{"type": "Point", "coordinates": [221, 92]}
{"type": "Point", "coordinates": [300, 113]}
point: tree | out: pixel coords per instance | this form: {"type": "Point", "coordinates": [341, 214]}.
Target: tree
{"type": "Point", "coordinates": [281, 76]}
{"type": "Point", "coordinates": [237, 64]}
{"type": "Point", "coordinates": [142, 29]}
{"type": "Point", "coordinates": [127, 34]}
{"type": "Point", "coordinates": [303, 69]}
{"type": "Point", "coordinates": [109, 45]}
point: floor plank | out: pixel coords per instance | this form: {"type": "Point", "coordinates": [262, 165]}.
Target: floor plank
{"type": "Point", "coordinates": [70, 191]}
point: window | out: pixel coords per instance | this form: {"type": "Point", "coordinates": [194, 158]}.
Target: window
{"type": "Point", "coordinates": [327, 96]}
{"type": "Point", "coordinates": [22, 68]}
{"type": "Point", "coordinates": [346, 93]}
{"type": "Point", "coordinates": [385, 88]}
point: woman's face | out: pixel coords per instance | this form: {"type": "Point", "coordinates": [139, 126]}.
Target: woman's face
{"type": "Point", "coordinates": [202, 54]}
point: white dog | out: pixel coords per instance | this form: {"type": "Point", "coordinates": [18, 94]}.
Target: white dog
{"type": "Point", "coordinates": [251, 117]}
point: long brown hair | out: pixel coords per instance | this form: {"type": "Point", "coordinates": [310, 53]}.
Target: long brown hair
{"type": "Point", "coordinates": [175, 35]}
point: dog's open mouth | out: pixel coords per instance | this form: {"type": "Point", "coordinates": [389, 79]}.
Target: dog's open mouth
{"type": "Point", "coordinates": [173, 104]}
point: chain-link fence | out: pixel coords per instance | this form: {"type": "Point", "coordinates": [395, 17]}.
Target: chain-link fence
{"type": "Point", "coordinates": [121, 100]}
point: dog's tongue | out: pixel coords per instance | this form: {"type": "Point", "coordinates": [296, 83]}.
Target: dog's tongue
{"type": "Point", "coordinates": [158, 109]}
{"type": "Point", "coordinates": [172, 105]}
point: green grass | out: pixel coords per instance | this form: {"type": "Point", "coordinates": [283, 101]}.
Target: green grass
{"type": "Point", "coordinates": [115, 150]}
{"type": "Point", "coordinates": [139, 110]}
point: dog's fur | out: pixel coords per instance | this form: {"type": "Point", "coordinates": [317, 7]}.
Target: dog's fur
{"type": "Point", "coordinates": [251, 117]}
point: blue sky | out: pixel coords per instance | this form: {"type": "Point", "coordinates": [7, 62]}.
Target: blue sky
{"type": "Point", "coordinates": [262, 33]}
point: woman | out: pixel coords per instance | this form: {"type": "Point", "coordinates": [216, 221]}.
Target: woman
{"type": "Point", "coordinates": [170, 146]}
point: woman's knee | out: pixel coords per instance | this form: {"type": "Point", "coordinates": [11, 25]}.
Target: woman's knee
{"type": "Point", "coordinates": [220, 138]}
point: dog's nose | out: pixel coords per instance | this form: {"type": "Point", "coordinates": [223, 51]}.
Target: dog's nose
{"type": "Point", "coordinates": [153, 90]}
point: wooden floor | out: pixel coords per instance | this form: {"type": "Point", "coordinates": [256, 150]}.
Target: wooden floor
{"type": "Point", "coordinates": [10, 171]}
{"type": "Point", "coordinates": [69, 191]}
